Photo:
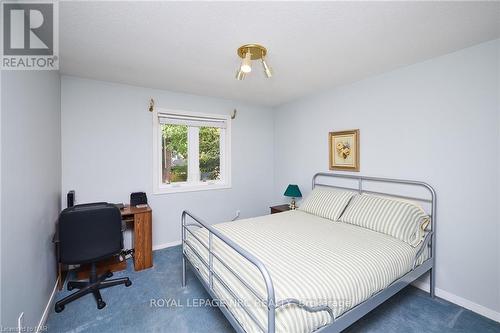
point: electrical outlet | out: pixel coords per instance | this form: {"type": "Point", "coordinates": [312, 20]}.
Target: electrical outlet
{"type": "Point", "coordinates": [20, 322]}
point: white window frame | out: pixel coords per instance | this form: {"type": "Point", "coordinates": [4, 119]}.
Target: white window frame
{"type": "Point", "coordinates": [193, 183]}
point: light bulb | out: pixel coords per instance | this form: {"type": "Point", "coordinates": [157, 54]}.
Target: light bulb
{"type": "Point", "coordinates": [246, 64]}
{"type": "Point", "coordinates": [267, 69]}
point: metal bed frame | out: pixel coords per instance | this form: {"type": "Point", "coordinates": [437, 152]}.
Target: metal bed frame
{"type": "Point", "coordinates": [347, 318]}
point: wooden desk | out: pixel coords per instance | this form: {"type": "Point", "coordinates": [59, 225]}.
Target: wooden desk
{"type": "Point", "coordinates": [140, 219]}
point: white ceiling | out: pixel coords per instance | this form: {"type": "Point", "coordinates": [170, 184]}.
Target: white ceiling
{"type": "Point", "coordinates": [191, 46]}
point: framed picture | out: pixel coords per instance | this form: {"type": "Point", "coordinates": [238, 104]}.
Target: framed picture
{"type": "Point", "coordinates": [344, 150]}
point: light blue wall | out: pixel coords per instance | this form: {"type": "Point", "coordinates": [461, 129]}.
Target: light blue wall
{"type": "Point", "coordinates": [30, 193]}
{"type": "Point", "coordinates": [107, 137]}
{"type": "Point", "coordinates": [435, 121]}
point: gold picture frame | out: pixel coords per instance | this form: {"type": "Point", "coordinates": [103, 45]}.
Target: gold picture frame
{"type": "Point", "coordinates": [344, 150]}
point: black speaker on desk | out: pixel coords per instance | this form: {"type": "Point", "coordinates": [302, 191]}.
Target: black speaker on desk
{"type": "Point", "coordinates": [138, 198]}
{"type": "Point", "coordinates": [70, 198]}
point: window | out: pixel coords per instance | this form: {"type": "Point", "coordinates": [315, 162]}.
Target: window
{"type": "Point", "coordinates": [191, 151]}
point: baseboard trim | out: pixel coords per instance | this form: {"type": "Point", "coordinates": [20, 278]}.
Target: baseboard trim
{"type": "Point", "coordinates": [165, 245]}
{"type": "Point", "coordinates": [482, 310]}
{"type": "Point", "coordinates": [45, 314]}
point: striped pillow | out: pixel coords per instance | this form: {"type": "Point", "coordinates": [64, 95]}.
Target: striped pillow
{"type": "Point", "coordinates": [326, 203]}
{"type": "Point", "coordinates": [400, 219]}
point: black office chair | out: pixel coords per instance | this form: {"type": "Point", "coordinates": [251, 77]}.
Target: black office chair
{"type": "Point", "coordinates": [87, 234]}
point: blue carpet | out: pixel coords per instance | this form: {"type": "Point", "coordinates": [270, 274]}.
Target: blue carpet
{"type": "Point", "coordinates": [130, 309]}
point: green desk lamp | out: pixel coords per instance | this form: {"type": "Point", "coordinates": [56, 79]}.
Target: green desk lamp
{"type": "Point", "coordinates": [293, 191]}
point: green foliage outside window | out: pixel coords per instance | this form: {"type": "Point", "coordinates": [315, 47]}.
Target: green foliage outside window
{"type": "Point", "coordinates": [209, 153]}
{"type": "Point", "coordinates": [175, 143]}
{"type": "Point", "coordinates": [176, 138]}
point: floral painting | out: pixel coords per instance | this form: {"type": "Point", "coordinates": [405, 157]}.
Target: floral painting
{"type": "Point", "coordinates": [344, 150]}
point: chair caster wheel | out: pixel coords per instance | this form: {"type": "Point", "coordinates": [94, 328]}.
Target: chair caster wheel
{"type": "Point", "coordinates": [101, 305]}
{"type": "Point", "coordinates": [59, 308]}
{"type": "Point", "coordinates": [109, 274]}
{"type": "Point", "coordinates": [128, 283]}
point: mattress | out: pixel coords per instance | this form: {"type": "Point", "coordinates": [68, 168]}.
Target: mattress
{"type": "Point", "coordinates": [309, 258]}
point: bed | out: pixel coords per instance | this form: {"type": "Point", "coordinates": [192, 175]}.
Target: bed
{"type": "Point", "coordinates": [299, 272]}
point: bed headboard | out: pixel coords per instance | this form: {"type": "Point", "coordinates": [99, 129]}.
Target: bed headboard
{"type": "Point", "coordinates": [359, 184]}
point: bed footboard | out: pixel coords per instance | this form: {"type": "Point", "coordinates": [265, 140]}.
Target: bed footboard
{"type": "Point", "coordinates": [270, 301]}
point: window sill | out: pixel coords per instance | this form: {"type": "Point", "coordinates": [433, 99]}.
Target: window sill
{"type": "Point", "coordinates": [190, 188]}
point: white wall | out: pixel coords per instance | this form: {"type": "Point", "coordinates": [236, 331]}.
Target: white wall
{"type": "Point", "coordinates": [107, 153]}
{"type": "Point", "coordinates": [30, 193]}
{"type": "Point", "coordinates": [436, 121]}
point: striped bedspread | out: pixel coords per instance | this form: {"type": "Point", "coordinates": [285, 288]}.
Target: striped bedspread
{"type": "Point", "coordinates": [312, 259]}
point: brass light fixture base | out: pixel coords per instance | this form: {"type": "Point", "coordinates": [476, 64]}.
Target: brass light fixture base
{"type": "Point", "coordinates": [257, 51]}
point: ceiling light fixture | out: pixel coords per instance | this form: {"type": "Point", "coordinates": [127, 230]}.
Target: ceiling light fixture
{"type": "Point", "coordinates": [248, 53]}
{"type": "Point", "coordinates": [246, 64]}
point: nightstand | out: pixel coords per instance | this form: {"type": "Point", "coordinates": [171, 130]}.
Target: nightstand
{"type": "Point", "coordinates": [279, 208]}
